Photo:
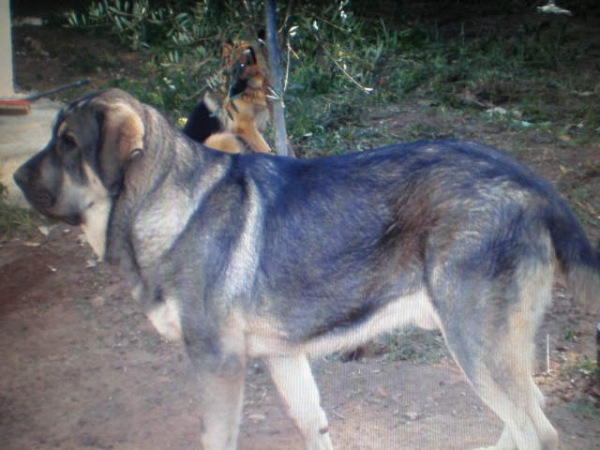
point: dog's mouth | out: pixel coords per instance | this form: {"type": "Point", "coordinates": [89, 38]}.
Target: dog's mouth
{"type": "Point", "coordinates": [70, 219]}
{"type": "Point", "coordinates": [77, 219]}
{"type": "Point", "coordinates": [73, 220]}
{"type": "Point", "coordinates": [238, 88]}
{"type": "Point", "coordinates": [44, 202]}
{"type": "Point", "coordinates": [40, 198]}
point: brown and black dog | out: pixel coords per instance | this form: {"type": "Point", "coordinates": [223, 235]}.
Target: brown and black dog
{"type": "Point", "coordinates": [232, 117]}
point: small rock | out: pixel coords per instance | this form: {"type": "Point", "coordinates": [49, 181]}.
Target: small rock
{"type": "Point", "coordinates": [98, 301]}
{"type": "Point", "coordinates": [31, 244]}
{"type": "Point", "coordinates": [257, 417]}
{"type": "Point", "coordinates": [412, 415]}
{"type": "Point", "coordinates": [380, 392]}
{"type": "Point", "coordinates": [44, 230]}
{"type": "Point", "coordinates": [497, 111]}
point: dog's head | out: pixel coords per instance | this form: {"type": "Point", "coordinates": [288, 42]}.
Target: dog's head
{"type": "Point", "coordinates": [242, 66]}
{"type": "Point", "coordinates": [76, 177]}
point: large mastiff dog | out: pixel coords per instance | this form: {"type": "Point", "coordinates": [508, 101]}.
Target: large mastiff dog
{"type": "Point", "coordinates": [262, 256]}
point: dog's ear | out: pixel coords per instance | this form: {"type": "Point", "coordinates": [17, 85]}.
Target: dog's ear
{"type": "Point", "coordinates": [122, 141]}
{"type": "Point", "coordinates": [250, 56]}
{"type": "Point", "coordinates": [123, 131]}
{"type": "Point", "coordinates": [227, 49]}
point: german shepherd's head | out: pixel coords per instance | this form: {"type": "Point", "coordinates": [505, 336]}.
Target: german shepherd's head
{"type": "Point", "coordinates": [241, 68]}
{"type": "Point", "coordinates": [235, 108]}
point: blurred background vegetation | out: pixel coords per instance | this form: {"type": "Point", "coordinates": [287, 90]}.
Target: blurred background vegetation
{"type": "Point", "coordinates": [343, 58]}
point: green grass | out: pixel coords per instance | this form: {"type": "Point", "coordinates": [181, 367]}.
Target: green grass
{"type": "Point", "coordinates": [569, 334]}
{"type": "Point", "coordinates": [15, 220]}
{"type": "Point", "coordinates": [585, 368]}
{"type": "Point", "coordinates": [416, 345]}
{"type": "Point", "coordinates": [411, 344]}
{"type": "Point", "coordinates": [586, 409]}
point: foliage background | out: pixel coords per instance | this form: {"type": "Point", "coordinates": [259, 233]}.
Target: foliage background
{"type": "Point", "coordinates": [342, 57]}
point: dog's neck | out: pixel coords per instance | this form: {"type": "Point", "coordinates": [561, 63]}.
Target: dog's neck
{"type": "Point", "coordinates": [160, 169]}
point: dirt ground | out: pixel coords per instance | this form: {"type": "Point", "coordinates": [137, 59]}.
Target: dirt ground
{"type": "Point", "coordinates": [81, 367]}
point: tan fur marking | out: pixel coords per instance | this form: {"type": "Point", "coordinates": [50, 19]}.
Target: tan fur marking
{"type": "Point", "coordinates": [96, 217]}
{"type": "Point", "coordinates": [225, 142]}
{"type": "Point", "coordinates": [125, 129]}
{"type": "Point", "coordinates": [61, 128]}
{"type": "Point", "coordinates": [250, 134]}
{"type": "Point", "coordinates": [243, 259]}
{"type": "Point", "coordinates": [296, 385]}
{"type": "Point", "coordinates": [165, 318]}
{"type": "Point", "coordinates": [265, 335]}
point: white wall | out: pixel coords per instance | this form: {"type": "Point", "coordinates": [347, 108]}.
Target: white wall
{"type": "Point", "coordinates": [6, 56]}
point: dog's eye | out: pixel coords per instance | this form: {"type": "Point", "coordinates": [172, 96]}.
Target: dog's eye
{"type": "Point", "coordinates": [68, 142]}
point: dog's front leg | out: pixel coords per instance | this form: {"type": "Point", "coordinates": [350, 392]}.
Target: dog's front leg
{"type": "Point", "coordinates": [222, 394]}
{"type": "Point", "coordinates": [296, 386]}
{"type": "Point", "coordinates": [216, 349]}
{"type": "Point", "coordinates": [253, 138]}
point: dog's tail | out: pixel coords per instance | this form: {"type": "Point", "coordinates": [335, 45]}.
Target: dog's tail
{"type": "Point", "coordinates": [578, 259]}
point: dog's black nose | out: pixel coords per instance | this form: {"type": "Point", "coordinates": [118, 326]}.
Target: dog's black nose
{"type": "Point", "coordinates": [22, 176]}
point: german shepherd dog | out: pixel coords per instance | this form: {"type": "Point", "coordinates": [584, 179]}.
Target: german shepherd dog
{"type": "Point", "coordinates": [262, 256]}
{"type": "Point", "coordinates": [233, 117]}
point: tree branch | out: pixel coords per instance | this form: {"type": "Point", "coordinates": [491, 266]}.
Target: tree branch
{"type": "Point", "coordinates": [276, 79]}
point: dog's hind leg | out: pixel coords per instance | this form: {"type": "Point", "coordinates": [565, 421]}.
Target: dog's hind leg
{"type": "Point", "coordinates": [490, 334]}
{"type": "Point", "coordinates": [295, 383]}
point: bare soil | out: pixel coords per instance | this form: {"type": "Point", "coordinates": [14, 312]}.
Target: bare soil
{"type": "Point", "coordinates": [81, 368]}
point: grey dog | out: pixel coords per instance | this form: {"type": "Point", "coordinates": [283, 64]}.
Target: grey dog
{"type": "Point", "coordinates": [262, 256]}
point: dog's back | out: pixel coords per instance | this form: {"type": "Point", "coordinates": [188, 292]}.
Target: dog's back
{"type": "Point", "coordinates": [414, 205]}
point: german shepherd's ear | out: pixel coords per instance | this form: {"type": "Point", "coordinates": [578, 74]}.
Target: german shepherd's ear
{"type": "Point", "coordinates": [122, 140]}
{"type": "Point", "coordinates": [227, 49]}
{"type": "Point", "coordinates": [250, 56]}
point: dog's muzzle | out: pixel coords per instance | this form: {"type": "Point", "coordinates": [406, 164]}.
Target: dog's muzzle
{"type": "Point", "coordinates": [38, 196]}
